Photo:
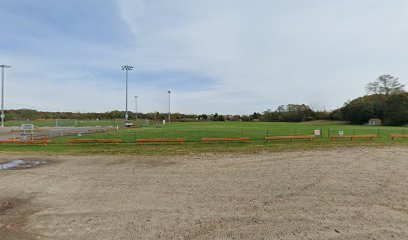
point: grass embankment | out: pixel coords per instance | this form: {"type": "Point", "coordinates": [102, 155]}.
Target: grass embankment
{"type": "Point", "coordinates": [194, 131]}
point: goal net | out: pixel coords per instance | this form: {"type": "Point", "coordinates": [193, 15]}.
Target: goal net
{"type": "Point", "coordinates": [65, 122]}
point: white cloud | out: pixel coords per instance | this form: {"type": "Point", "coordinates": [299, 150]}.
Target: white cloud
{"type": "Point", "coordinates": [255, 54]}
{"type": "Point", "coordinates": [278, 53]}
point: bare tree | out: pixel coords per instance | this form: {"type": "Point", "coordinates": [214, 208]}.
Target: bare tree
{"type": "Point", "coordinates": [385, 84]}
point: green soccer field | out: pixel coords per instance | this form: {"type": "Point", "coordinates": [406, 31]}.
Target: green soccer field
{"type": "Point", "coordinates": [195, 131]}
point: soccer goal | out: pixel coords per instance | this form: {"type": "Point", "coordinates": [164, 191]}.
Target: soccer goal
{"type": "Point", "coordinates": [66, 122]}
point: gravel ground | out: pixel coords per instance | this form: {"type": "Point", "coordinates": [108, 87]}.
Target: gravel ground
{"type": "Point", "coordinates": [359, 193]}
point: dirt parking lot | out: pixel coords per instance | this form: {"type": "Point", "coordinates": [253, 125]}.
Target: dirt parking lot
{"type": "Point", "coordinates": [359, 193]}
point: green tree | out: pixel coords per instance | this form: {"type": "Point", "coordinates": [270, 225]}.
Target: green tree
{"type": "Point", "coordinates": [397, 109]}
{"type": "Point", "coordinates": [385, 84]}
{"type": "Point", "coordinates": [255, 115]}
{"type": "Point", "coordinates": [359, 111]}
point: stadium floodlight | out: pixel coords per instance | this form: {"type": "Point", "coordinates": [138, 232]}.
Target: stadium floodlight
{"type": "Point", "coordinates": [127, 68]}
{"type": "Point", "coordinates": [169, 105]}
{"type": "Point", "coordinates": [136, 109]}
{"type": "Point", "coordinates": [2, 93]}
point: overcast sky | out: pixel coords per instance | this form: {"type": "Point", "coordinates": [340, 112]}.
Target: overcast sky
{"type": "Point", "coordinates": [225, 56]}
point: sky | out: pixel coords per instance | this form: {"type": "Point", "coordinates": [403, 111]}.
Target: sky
{"type": "Point", "coordinates": [224, 56]}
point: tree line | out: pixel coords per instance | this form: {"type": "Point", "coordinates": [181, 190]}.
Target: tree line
{"type": "Point", "coordinates": [29, 114]}
{"type": "Point", "coordinates": [386, 99]}
{"type": "Point", "coordinates": [288, 113]}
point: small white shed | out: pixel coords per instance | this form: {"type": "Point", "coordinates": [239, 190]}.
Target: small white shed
{"type": "Point", "coordinates": [375, 122]}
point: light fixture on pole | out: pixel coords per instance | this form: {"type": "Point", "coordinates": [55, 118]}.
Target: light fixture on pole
{"type": "Point", "coordinates": [2, 93]}
{"type": "Point", "coordinates": [127, 68]}
{"type": "Point", "coordinates": [169, 105]}
{"type": "Point", "coordinates": [136, 109]}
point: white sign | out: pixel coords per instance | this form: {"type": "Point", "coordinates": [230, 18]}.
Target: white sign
{"type": "Point", "coordinates": [317, 132]}
{"type": "Point", "coordinates": [129, 124]}
{"type": "Point", "coordinates": [27, 127]}
{"type": "Point", "coordinates": [341, 133]}
{"type": "Point", "coordinates": [164, 122]}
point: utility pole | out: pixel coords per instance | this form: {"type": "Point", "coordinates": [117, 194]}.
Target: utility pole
{"type": "Point", "coordinates": [3, 116]}
{"type": "Point", "coordinates": [136, 110]}
{"type": "Point", "coordinates": [127, 68]}
{"type": "Point", "coordinates": [169, 105]}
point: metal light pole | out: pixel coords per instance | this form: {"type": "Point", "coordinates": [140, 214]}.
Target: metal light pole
{"type": "Point", "coordinates": [2, 93]}
{"type": "Point", "coordinates": [127, 68]}
{"type": "Point", "coordinates": [169, 105]}
{"type": "Point", "coordinates": [136, 109]}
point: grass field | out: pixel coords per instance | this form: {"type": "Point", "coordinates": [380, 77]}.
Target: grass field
{"type": "Point", "coordinates": [194, 131]}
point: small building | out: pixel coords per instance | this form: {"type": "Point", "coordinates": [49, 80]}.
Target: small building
{"type": "Point", "coordinates": [375, 122]}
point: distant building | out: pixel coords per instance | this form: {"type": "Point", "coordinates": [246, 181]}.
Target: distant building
{"type": "Point", "coordinates": [375, 122]}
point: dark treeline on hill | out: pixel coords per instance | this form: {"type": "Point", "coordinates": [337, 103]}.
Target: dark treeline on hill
{"type": "Point", "coordinates": [29, 114]}
{"type": "Point", "coordinates": [387, 100]}
{"type": "Point", "coordinates": [392, 109]}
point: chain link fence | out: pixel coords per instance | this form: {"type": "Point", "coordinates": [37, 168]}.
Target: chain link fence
{"type": "Point", "coordinates": [84, 123]}
{"type": "Point", "coordinates": [381, 133]}
{"type": "Point", "coordinates": [130, 135]}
